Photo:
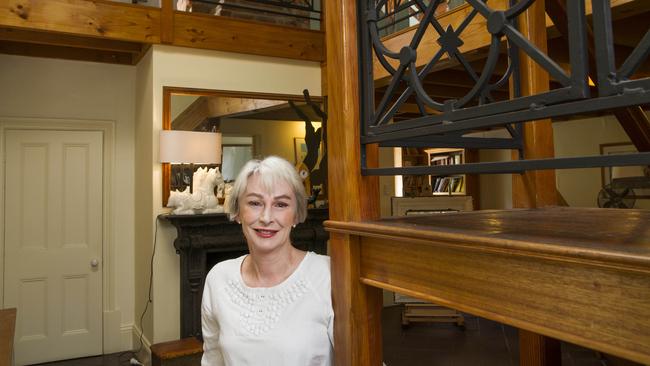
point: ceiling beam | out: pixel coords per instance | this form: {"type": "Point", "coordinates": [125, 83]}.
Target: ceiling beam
{"type": "Point", "coordinates": [66, 53]}
{"type": "Point", "coordinates": [86, 18]}
{"type": "Point", "coordinates": [207, 107]}
{"type": "Point", "coordinates": [56, 39]}
{"type": "Point", "coordinates": [235, 35]}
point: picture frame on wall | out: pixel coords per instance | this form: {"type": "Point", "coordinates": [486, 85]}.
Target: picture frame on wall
{"type": "Point", "coordinates": [299, 149]}
{"type": "Point", "coordinates": [610, 173]}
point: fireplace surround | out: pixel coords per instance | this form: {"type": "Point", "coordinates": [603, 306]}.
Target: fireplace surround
{"type": "Point", "coordinates": [204, 240]}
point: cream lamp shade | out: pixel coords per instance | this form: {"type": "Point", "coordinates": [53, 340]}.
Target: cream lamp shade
{"type": "Point", "coordinates": [179, 147]}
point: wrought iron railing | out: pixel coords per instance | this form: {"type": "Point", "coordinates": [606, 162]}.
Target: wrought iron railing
{"type": "Point", "coordinates": [396, 15]}
{"type": "Point", "coordinates": [446, 122]}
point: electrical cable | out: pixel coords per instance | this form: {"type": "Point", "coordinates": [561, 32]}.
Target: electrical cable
{"type": "Point", "coordinates": [133, 354]}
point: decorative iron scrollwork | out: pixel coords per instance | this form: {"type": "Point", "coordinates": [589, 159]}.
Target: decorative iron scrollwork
{"type": "Point", "coordinates": [445, 122]}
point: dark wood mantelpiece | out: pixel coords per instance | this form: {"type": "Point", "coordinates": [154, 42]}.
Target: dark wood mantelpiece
{"type": "Point", "coordinates": [204, 240]}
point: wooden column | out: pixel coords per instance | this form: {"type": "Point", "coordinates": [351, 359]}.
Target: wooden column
{"type": "Point", "coordinates": [352, 197]}
{"type": "Point", "coordinates": [167, 21]}
{"type": "Point", "coordinates": [535, 188]}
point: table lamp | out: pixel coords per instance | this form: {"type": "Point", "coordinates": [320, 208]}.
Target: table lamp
{"type": "Point", "coordinates": [190, 147]}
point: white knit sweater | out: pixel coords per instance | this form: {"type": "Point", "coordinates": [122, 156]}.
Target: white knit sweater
{"type": "Point", "coordinates": [290, 324]}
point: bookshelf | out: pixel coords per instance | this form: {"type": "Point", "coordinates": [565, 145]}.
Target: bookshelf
{"type": "Point", "coordinates": [451, 185]}
{"type": "Point", "coordinates": [415, 185]}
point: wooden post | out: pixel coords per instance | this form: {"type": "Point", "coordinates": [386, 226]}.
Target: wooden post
{"type": "Point", "coordinates": [357, 308]}
{"type": "Point", "coordinates": [167, 22]}
{"type": "Point", "coordinates": [535, 188]}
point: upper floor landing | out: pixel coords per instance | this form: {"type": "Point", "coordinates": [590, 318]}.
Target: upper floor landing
{"type": "Point", "coordinates": [119, 32]}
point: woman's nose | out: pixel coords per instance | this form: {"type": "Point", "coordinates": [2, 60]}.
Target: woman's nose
{"type": "Point", "coordinates": [266, 216]}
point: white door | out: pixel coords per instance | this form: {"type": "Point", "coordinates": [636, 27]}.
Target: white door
{"type": "Point", "coordinates": [53, 242]}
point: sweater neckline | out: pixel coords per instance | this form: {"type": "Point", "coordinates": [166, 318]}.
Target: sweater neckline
{"type": "Point", "coordinates": [280, 285]}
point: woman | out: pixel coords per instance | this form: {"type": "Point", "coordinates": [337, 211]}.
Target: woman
{"type": "Point", "coordinates": [272, 306]}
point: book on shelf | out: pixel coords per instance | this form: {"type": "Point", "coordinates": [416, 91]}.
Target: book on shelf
{"type": "Point", "coordinates": [453, 184]}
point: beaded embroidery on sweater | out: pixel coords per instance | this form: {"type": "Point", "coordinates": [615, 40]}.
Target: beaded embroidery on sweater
{"type": "Point", "coordinates": [261, 308]}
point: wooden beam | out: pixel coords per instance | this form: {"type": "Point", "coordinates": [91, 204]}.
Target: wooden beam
{"type": "Point", "coordinates": [221, 107]}
{"type": "Point", "coordinates": [104, 19]}
{"type": "Point", "coordinates": [84, 18]}
{"type": "Point", "coordinates": [214, 107]}
{"type": "Point", "coordinates": [61, 39]}
{"type": "Point", "coordinates": [357, 307]}
{"type": "Point", "coordinates": [244, 36]}
{"type": "Point", "coordinates": [192, 116]}
{"type": "Point", "coordinates": [535, 188]}
{"type": "Point", "coordinates": [636, 124]}
{"type": "Point", "coordinates": [451, 77]}
{"type": "Point", "coordinates": [65, 53]}
{"type": "Point", "coordinates": [167, 22]}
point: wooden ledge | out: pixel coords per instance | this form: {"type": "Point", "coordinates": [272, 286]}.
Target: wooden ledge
{"type": "Point", "coordinates": [613, 236]}
{"type": "Point", "coordinates": [174, 349]}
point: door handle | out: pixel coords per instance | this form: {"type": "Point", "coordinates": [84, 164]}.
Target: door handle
{"type": "Point", "coordinates": [94, 263]}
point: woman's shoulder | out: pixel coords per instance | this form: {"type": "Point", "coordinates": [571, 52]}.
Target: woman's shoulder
{"type": "Point", "coordinates": [318, 265]}
{"type": "Point", "coordinates": [225, 269]}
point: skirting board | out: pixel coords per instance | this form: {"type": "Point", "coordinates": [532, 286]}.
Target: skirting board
{"type": "Point", "coordinates": [144, 355]}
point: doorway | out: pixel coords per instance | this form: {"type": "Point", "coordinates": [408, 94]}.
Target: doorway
{"type": "Point", "coordinates": [53, 238]}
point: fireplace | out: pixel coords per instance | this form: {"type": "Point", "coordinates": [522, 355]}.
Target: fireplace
{"type": "Point", "coordinates": [204, 240]}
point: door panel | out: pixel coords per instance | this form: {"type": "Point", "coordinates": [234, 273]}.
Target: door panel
{"type": "Point", "coordinates": [53, 232]}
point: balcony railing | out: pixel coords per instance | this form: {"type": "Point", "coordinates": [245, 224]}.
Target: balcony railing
{"type": "Point", "coordinates": [304, 14]}
{"type": "Point", "coordinates": [396, 15]}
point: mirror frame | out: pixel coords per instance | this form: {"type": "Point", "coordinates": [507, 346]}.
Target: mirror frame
{"type": "Point", "coordinates": [168, 91]}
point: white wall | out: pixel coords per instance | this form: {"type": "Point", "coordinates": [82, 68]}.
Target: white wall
{"type": "Point", "coordinates": [70, 91]}
{"type": "Point", "coordinates": [495, 190]}
{"type": "Point", "coordinates": [580, 187]}
{"type": "Point", "coordinates": [144, 217]}
{"type": "Point", "coordinates": [193, 68]}
{"type": "Point", "coordinates": [271, 137]}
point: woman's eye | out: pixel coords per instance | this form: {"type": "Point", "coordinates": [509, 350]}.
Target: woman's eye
{"type": "Point", "coordinates": [254, 203]}
{"type": "Point", "coordinates": [282, 204]}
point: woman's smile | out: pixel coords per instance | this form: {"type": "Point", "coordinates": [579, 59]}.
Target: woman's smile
{"type": "Point", "coordinates": [265, 233]}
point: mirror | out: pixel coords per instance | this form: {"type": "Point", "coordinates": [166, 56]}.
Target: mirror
{"type": "Point", "coordinates": [252, 125]}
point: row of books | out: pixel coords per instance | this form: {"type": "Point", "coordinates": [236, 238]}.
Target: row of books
{"type": "Point", "coordinates": [446, 159]}
{"type": "Point", "coordinates": [455, 184]}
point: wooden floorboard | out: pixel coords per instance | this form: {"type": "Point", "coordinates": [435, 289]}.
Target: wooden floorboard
{"type": "Point", "coordinates": [482, 343]}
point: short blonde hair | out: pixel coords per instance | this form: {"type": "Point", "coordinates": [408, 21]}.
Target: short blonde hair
{"type": "Point", "coordinates": [270, 170]}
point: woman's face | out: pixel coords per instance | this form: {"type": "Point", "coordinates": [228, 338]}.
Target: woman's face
{"type": "Point", "coordinates": [267, 216]}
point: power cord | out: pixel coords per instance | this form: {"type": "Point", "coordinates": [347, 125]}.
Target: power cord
{"type": "Point", "coordinates": [133, 360]}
